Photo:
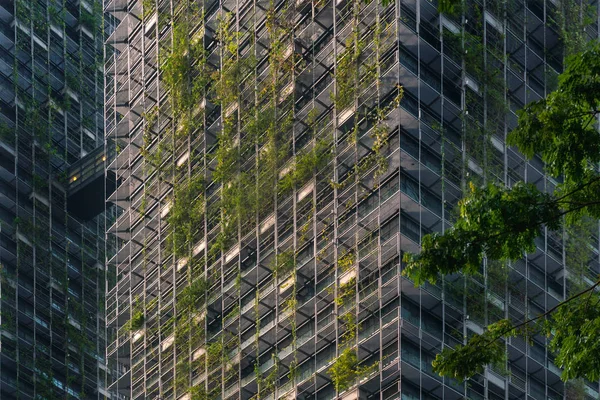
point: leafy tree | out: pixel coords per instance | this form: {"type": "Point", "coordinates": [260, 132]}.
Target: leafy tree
{"type": "Point", "coordinates": [501, 223]}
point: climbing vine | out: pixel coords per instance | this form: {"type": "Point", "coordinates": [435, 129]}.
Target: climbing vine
{"type": "Point", "coordinates": [225, 144]}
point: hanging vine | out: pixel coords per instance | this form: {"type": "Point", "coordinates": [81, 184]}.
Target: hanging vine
{"type": "Point", "coordinates": [246, 167]}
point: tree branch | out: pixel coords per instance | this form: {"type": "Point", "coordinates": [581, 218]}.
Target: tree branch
{"type": "Point", "coordinates": [550, 311]}
{"type": "Point", "coordinates": [559, 215]}
{"type": "Point", "coordinates": [578, 188]}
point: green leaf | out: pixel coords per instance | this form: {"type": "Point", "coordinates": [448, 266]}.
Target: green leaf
{"type": "Point", "coordinates": [463, 362]}
{"type": "Point", "coordinates": [501, 223]}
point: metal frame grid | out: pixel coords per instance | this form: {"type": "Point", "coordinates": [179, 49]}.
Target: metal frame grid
{"type": "Point", "coordinates": [52, 288]}
{"type": "Point", "coordinates": [260, 328]}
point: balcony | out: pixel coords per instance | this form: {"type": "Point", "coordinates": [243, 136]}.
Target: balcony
{"type": "Point", "coordinates": [87, 187]}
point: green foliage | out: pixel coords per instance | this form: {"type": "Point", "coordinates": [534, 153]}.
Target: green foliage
{"type": "Point", "coordinates": [241, 199]}
{"type": "Point", "coordinates": [578, 251]}
{"type": "Point", "coordinates": [176, 68]}
{"type": "Point", "coordinates": [496, 221]}
{"type": "Point", "coordinates": [347, 70]}
{"type": "Point", "coordinates": [497, 275]}
{"type": "Point", "coordinates": [186, 216]}
{"type": "Point", "coordinates": [307, 164]}
{"type": "Point", "coordinates": [7, 134]}
{"type": "Point", "coordinates": [451, 7]}
{"type": "Point", "coordinates": [575, 390]}
{"type": "Point", "coordinates": [379, 134]}
{"type": "Point", "coordinates": [573, 328]}
{"type": "Point", "coordinates": [575, 332]}
{"type": "Point", "coordinates": [357, 65]}
{"type": "Point", "coordinates": [344, 372]}
{"type": "Point", "coordinates": [502, 223]}
{"type": "Point", "coordinates": [91, 21]}
{"type": "Point", "coordinates": [465, 361]}
{"type": "Point", "coordinates": [137, 321]}
{"type": "Point", "coordinates": [228, 80]}
{"type": "Point", "coordinates": [148, 8]}
{"type": "Point", "coordinates": [227, 154]}
{"type": "Point", "coordinates": [214, 353]}
{"type": "Point", "coordinates": [8, 321]}
{"type": "Point", "coordinates": [235, 311]}
{"type": "Point", "coordinates": [561, 127]}
{"type": "Point", "coordinates": [572, 17]}
{"type": "Point", "coordinates": [78, 337]}
{"type": "Point", "coordinates": [485, 109]}
{"type": "Point", "coordinates": [185, 73]}
{"type": "Point", "coordinates": [266, 384]}
{"type": "Point", "coordinates": [200, 393]}
{"type": "Point", "coordinates": [192, 296]}
{"type": "Point", "coordinates": [348, 321]}
{"type": "Point", "coordinates": [284, 263]}
{"type": "Point", "coordinates": [346, 293]}
{"type": "Point", "coordinates": [245, 169]}
{"type": "Point", "coordinates": [346, 261]}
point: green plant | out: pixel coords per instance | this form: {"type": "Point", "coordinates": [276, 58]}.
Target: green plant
{"type": "Point", "coordinates": [497, 276]}
{"type": "Point", "coordinates": [266, 384]}
{"type": "Point", "coordinates": [7, 134]}
{"type": "Point", "coordinates": [571, 18]}
{"type": "Point", "coordinates": [348, 321]}
{"type": "Point", "coordinates": [346, 261]}
{"type": "Point", "coordinates": [379, 135]}
{"type": "Point", "coordinates": [137, 321]}
{"type": "Point", "coordinates": [193, 294]}
{"type": "Point", "coordinates": [148, 6]}
{"type": "Point", "coordinates": [8, 321]}
{"type": "Point", "coordinates": [186, 216]}
{"type": "Point", "coordinates": [307, 164]}
{"type": "Point", "coordinates": [216, 353]}
{"type": "Point", "coordinates": [451, 7]}
{"type": "Point", "coordinates": [503, 223]}
{"type": "Point", "coordinates": [283, 263]}
{"type": "Point", "coordinates": [228, 80]}
{"type": "Point", "coordinates": [200, 393]}
{"type": "Point", "coordinates": [575, 390]}
{"type": "Point", "coordinates": [90, 20]}
{"type": "Point", "coordinates": [184, 72]}
{"type": "Point", "coordinates": [235, 311]}
{"type": "Point", "coordinates": [577, 249]}
{"type": "Point", "coordinates": [346, 369]}
{"type": "Point", "coordinates": [346, 292]}
{"type": "Point", "coordinates": [510, 205]}
{"type": "Point", "coordinates": [343, 372]}
{"type": "Point", "coordinates": [347, 71]}
{"type": "Point", "coordinates": [486, 108]}
{"type": "Point", "coordinates": [244, 173]}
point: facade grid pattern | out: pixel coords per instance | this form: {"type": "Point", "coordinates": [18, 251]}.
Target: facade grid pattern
{"type": "Point", "coordinates": [52, 275]}
{"type": "Point", "coordinates": [275, 160]}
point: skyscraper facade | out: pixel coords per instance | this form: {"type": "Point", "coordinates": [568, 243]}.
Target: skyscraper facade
{"type": "Point", "coordinates": [52, 275]}
{"type": "Point", "coordinates": [275, 159]}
